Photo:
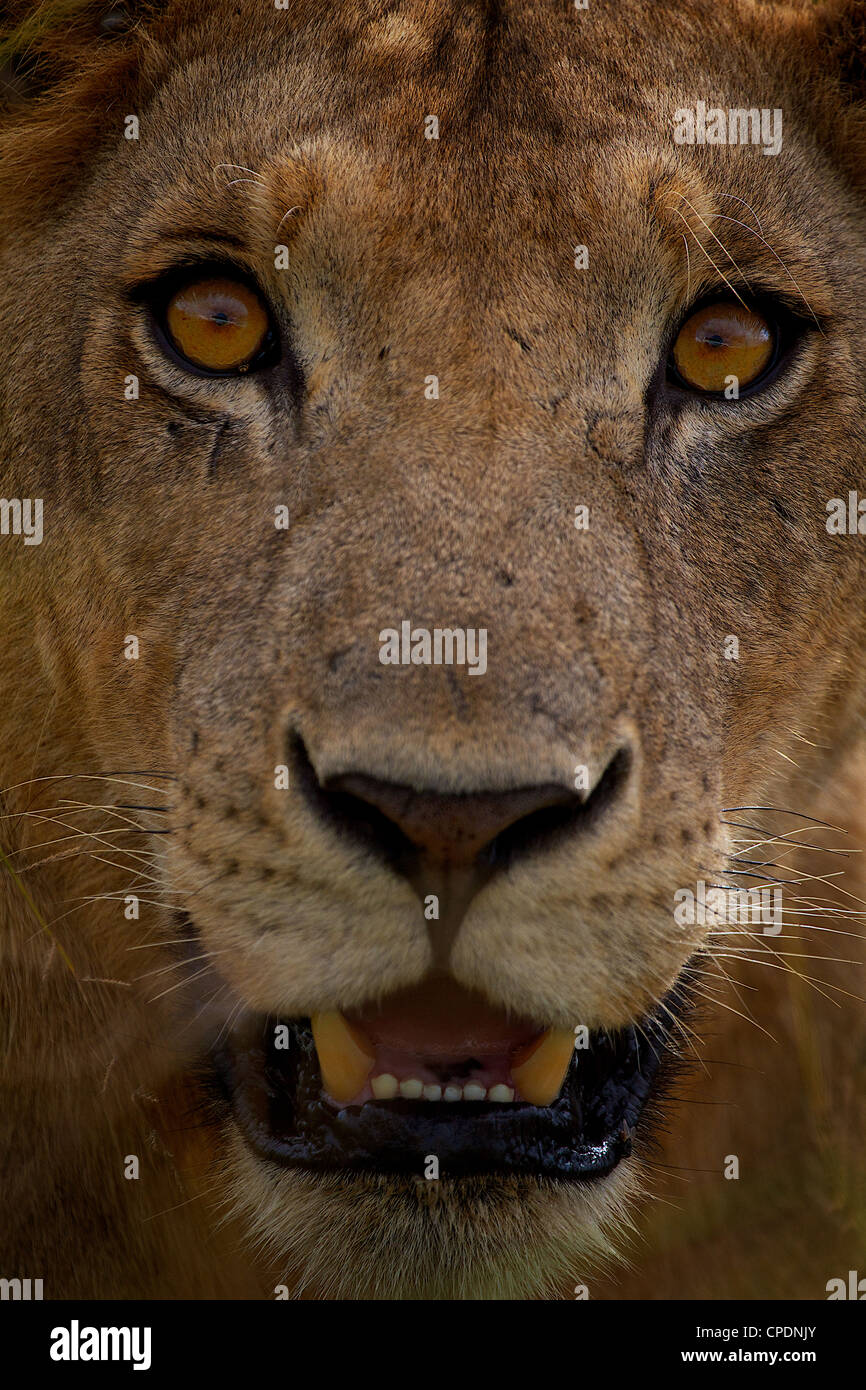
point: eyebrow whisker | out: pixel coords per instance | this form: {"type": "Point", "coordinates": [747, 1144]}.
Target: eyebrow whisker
{"type": "Point", "coordinates": [706, 224]}
{"type": "Point", "coordinates": [716, 268]}
{"type": "Point", "coordinates": [724, 218]}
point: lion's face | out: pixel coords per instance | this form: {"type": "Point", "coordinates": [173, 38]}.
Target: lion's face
{"type": "Point", "coordinates": [459, 422]}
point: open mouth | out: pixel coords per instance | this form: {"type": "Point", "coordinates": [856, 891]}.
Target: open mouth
{"type": "Point", "coordinates": [436, 1072]}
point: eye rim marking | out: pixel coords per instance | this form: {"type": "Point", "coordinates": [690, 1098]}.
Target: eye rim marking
{"type": "Point", "coordinates": [797, 330]}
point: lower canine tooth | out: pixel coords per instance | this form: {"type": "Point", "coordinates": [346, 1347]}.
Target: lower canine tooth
{"type": "Point", "coordinates": [384, 1087]}
{"type": "Point", "coordinates": [345, 1056]}
{"type": "Point", "coordinates": [539, 1070]}
{"type": "Point", "coordinates": [411, 1089]}
{"type": "Point", "coordinates": [474, 1092]}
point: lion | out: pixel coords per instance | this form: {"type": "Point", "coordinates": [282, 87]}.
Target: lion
{"type": "Point", "coordinates": [433, 692]}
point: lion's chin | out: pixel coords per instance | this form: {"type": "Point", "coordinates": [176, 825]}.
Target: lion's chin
{"type": "Point", "coordinates": [376, 1236]}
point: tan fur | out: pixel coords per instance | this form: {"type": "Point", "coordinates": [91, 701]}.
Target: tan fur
{"type": "Point", "coordinates": [411, 258]}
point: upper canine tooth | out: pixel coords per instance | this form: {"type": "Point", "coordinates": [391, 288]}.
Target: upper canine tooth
{"type": "Point", "coordinates": [539, 1069]}
{"type": "Point", "coordinates": [346, 1056]}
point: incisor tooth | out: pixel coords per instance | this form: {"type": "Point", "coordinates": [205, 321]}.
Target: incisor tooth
{"type": "Point", "coordinates": [411, 1089]}
{"type": "Point", "coordinates": [384, 1087]}
{"type": "Point", "coordinates": [432, 1092]}
{"type": "Point", "coordinates": [452, 1093]}
{"type": "Point", "coordinates": [346, 1057]}
{"type": "Point", "coordinates": [474, 1091]}
{"type": "Point", "coordinates": [539, 1069]}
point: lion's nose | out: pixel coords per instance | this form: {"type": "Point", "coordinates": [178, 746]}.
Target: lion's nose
{"type": "Point", "coordinates": [456, 837]}
{"type": "Point", "coordinates": [453, 831]}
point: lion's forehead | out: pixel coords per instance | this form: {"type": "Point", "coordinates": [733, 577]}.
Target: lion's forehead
{"type": "Point", "coordinates": [515, 78]}
{"type": "Point", "coordinates": [496, 136]}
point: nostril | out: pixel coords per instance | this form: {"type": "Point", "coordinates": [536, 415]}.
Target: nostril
{"type": "Point", "coordinates": [454, 829]}
{"type": "Point", "coordinates": [484, 829]}
{"type": "Point", "coordinates": [547, 825]}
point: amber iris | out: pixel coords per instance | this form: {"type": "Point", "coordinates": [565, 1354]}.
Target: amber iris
{"type": "Point", "coordinates": [219, 324]}
{"type": "Point", "coordinates": [721, 341]}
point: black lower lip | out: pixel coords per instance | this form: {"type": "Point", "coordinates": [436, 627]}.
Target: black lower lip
{"type": "Point", "coordinates": [276, 1099]}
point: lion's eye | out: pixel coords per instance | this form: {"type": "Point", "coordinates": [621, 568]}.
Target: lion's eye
{"type": "Point", "coordinates": [217, 323]}
{"type": "Point", "coordinates": [721, 341]}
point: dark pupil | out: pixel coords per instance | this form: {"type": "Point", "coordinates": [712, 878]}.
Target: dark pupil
{"type": "Point", "coordinates": [220, 317]}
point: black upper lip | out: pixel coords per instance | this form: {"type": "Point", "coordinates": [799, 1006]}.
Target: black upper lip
{"type": "Point", "coordinates": [276, 1097]}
